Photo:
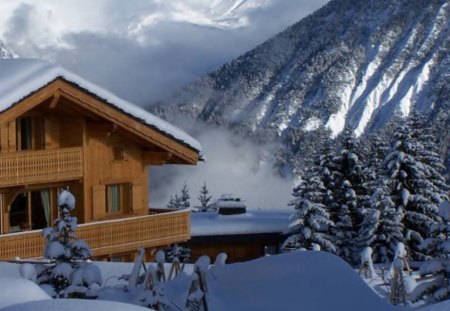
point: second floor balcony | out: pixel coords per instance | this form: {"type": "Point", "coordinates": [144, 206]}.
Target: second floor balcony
{"type": "Point", "coordinates": [40, 166]}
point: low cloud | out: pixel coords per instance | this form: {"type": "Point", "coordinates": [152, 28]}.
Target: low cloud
{"type": "Point", "coordinates": [93, 40]}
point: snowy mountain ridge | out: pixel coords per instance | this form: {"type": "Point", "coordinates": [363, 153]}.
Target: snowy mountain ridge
{"type": "Point", "coordinates": [356, 63]}
{"type": "Point", "coordinates": [5, 52]}
{"type": "Point", "coordinates": [218, 13]}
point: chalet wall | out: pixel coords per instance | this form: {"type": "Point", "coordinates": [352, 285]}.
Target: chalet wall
{"type": "Point", "coordinates": [110, 158]}
{"type": "Point", "coordinates": [8, 136]}
{"type": "Point", "coordinates": [52, 132]}
{"type": "Point", "coordinates": [71, 131]}
{"type": "Point", "coordinates": [239, 247]}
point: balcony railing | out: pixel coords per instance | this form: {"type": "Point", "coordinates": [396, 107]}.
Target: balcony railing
{"type": "Point", "coordinates": [107, 237]}
{"type": "Point", "coordinates": [39, 166]}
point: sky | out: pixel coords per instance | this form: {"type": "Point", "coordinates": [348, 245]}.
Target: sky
{"type": "Point", "coordinates": [143, 50]}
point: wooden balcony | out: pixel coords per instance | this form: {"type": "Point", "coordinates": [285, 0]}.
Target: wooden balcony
{"type": "Point", "coordinates": [108, 237]}
{"type": "Point", "coordinates": [40, 166]}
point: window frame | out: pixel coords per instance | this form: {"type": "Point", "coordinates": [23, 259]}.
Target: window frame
{"type": "Point", "coordinates": [124, 197]}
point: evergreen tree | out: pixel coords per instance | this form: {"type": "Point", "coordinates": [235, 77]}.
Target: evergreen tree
{"type": "Point", "coordinates": [374, 151]}
{"type": "Point", "coordinates": [204, 198]}
{"type": "Point", "coordinates": [69, 272]}
{"type": "Point", "coordinates": [172, 204]}
{"type": "Point", "coordinates": [310, 223]}
{"type": "Point", "coordinates": [348, 188]}
{"type": "Point", "coordinates": [437, 270]}
{"type": "Point", "coordinates": [185, 197]}
{"type": "Point", "coordinates": [411, 185]}
{"type": "Point", "coordinates": [382, 227]}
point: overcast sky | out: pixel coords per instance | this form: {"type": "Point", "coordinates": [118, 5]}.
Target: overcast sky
{"type": "Point", "coordinates": [142, 50]}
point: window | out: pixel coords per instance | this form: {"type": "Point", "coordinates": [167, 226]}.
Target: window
{"type": "Point", "coordinates": [29, 133]}
{"type": "Point", "coordinates": [118, 198]}
{"type": "Point", "coordinates": [31, 210]}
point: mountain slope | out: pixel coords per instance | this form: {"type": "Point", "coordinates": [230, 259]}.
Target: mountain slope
{"type": "Point", "coordinates": [221, 14]}
{"type": "Point", "coordinates": [5, 52]}
{"type": "Point", "coordinates": [354, 63]}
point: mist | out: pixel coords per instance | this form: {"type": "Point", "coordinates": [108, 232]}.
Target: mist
{"type": "Point", "coordinates": [233, 166]}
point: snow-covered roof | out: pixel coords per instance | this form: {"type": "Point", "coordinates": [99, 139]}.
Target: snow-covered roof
{"type": "Point", "coordinates": [252, 222]}
{"type": "Point", "coordinates": [20, 78]}
{"type": "Point", "coordinates": [229, 197]}
{"type": "Point", "coordinates": [230, 204]}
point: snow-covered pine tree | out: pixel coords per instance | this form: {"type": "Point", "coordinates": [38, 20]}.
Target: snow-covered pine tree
{"type": "Point", "coordinates": [185, 197]}
{"type": "Point", "coordinates": [204, 198]}
{"type": "Point", "coordinates": [344, 232]}
{"type": "Point", "coordinates": [310, 223]}
{"type": "Point", "coordinates": [428, 152]}
{"type": "Point", "coordinates": [441, 133]}
{"type": "Point", "coordinates": [174, 202]}
{"type": "Point", "coordinates": [375, 149]}
{"type": "Point", "coordinates": [437, 270]}
{"type": "Point", "coordinates": [68, 271]}
{"type": "Point", "coordinates": [348, 193]}
{"type": "Point", "coordinates": [409, 183]}
{"type": "Point", "coordinates": [382, 227]}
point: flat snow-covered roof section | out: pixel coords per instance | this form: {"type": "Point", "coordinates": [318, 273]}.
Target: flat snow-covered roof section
{"type": "Point", "coordinates": [252, 222]}
{"type": "Point", "coordinates": [20, 78]}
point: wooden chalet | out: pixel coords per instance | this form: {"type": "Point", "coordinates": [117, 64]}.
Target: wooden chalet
{"type": "Point", "coordinates": [59, 130]}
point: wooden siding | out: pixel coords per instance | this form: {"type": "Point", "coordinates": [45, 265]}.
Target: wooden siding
{"type": "Point", "coordinates": [238, 247]}
{"type": "Point", "coordinates": [108, 237]}
{"type": "Point", "coordinates": [40, 166]}
{"type": "Point", "coordinates": [104, 169]}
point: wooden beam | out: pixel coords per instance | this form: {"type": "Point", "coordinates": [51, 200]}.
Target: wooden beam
{"type": "Point", "coordinates": [28, 103]}
{"type": "Point", "coordinates": [156, 158]}
{"type": "Point", "coordinates": [54, 101]}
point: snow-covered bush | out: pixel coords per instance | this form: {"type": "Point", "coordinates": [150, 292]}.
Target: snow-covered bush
{"type": "Point", "coordinates": [68, 270]}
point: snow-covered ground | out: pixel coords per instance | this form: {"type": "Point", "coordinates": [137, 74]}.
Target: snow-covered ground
{"type": "Point", "coordinates": [307, 280]}
{"type": "Point", "coordinates": [74, 305]}
{"type": "Point", "coordinates": [312, 280]}
{"type": "Point", "coordinates": [292, 281]}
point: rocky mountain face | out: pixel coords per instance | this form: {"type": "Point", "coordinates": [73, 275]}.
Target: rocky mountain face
{"type": "Point", "coordinates": [5, 52]}
{"type": "Point", "coordinates": [352, 63]}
